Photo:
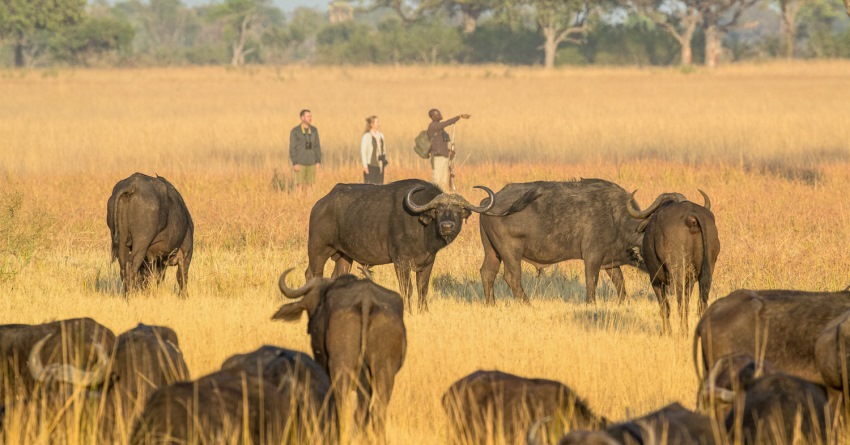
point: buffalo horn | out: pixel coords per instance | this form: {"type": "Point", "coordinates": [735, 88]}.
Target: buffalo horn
{"type": "Point", "coordinates": [486, 207]}
{"type": "Point", "coordinates": [707, 203]}
{"type": "Point", "coordinates": [532, 437]}
{"type": "Point", "coordinates": [652, 207]}
{"type": "Point", "coordinates": [292, 293]}
{"type": "Point", "coordinates": [419, 208]}
{"type": "Point", "coordinates": [67, 373]}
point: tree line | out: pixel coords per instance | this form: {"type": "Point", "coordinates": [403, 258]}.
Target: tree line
{"type": "Point", "coordinates": [515, 32]}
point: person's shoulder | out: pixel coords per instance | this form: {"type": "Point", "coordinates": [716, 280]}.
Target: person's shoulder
{"type": "Point", "coordinates": [296, 128]}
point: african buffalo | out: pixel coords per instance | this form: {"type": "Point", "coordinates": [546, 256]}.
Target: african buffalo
{"type": "Point", "coordinates": [55, 357]}
{"type": "Point", "coordinates": [357, 334]}
{"type": "Point", "coordinates": [780, 326]}
{"type": "Point", "coordinates": [671, 425]}
{"type": "Point", "coordinates": [404, 223]}
{"type": "Point", "coordinates": [727, 383]}
{"type": "Point", "coordinates": [146, 358]}
{"type": "Point", "coordinates": [545, 223]}
{"type": "Point", "coordinates": [778, 406]}
{"type": "Point", "coordinates": [489, 403]}
{"type": "Point", "coordinates": [296, 373]}
{"type": "Point", "coordinates": [224, 407]}
{"type": "Point", "coordinates": [680, 247]}
{"type": "Point", "coordinates": [151, 228]}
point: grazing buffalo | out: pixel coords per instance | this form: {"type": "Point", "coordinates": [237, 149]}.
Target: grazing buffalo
{"type": "Point", "coordinates": [545, 223]}
{"type": "Point", "coordinates": [671, 425]}
{"type": "Point", "coordinates": [680, 247]}
{"type": "Point", "coordinates": [486, 404]}
{"type": "Point", "coordinates": [146, 358]}
{"type": "Point", "coordinates": [776, 408]}
{"type": "Point", "coordinates": [151, 228]}
{"type": "Point", "coordinates": [780, 326]}
{"type": "Point", "coordinates": [357, 333]}
{"type": "Point", "coordinates": [404, 223]}
{"type": "Point", "coordinates": [294, 373]}
{"type": "Point", "coordinates": [54, 357]}
{"type": "Point", "coordinates": [727, 383]}
{"type": "Point", "coordinates": [223, 407]}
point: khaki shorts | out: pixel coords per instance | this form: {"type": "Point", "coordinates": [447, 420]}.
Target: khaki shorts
{"type": "Point", "coordinates": [306, 174]}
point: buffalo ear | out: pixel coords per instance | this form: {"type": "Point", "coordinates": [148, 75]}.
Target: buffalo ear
{"type": "Point", "coordinates": [426, 217]}
{"type": "Point", "coordinates": [289, 312]}
{"type": "Point", "coordinates": [466, 213]}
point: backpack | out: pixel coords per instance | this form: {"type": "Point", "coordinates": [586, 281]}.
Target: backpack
{"type": "Point", "coordinates": [422, 145]}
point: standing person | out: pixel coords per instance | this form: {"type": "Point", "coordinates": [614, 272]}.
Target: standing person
{"type": "Point", "coordinates": [373, 153]}
{"type": "Point", "coordinates": [305, 151]}
{"type": "Point", "coordinates": [440, 154]}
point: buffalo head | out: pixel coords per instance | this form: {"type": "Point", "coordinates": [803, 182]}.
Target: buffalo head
{"type": "Point", "coordinates": [448, 210]}
{"type": "Point", "coordinates": [664, 198]}
{"type": "Point", "coordinates": [311, 292]}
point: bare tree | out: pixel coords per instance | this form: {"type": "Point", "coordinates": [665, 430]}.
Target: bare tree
{"type": "Point", "coordinates": [678, 18]}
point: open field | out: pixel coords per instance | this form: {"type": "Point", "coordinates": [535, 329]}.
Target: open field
{"type": "Point", "coordinates": [770, 145]}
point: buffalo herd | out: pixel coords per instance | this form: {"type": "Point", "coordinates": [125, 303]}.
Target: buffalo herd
{"type": "Point", "coordinates": [772, 364]}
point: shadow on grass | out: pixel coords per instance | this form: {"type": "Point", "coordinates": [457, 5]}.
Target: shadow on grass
{"type": "Point", "coordinates": [551, 284]}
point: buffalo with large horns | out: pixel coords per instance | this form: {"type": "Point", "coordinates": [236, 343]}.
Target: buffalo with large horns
{"type": "Point", "coordinates": [357, 334]}
{"type": "Point", "coordinates": [680, 247]}
{"type": "Point", "coordinates": [151, 229]}
{"type": "Point", "coordinates": [56, 357]}
{"type": "Point", "coordinates": [404, 223]}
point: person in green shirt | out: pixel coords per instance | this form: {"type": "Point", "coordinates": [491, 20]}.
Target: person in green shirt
{"type": "Point", "coordinates": [305, 151]}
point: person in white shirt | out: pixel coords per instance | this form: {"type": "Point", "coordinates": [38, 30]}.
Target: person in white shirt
{"type": "Point", "coordinates": [373, 153]}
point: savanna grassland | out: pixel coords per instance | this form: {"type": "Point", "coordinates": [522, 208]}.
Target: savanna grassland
{"type": "Point", "coordinates": [770, 144]}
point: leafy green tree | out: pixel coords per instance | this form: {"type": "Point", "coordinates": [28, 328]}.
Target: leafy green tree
{"type": "Point", "coordinates": [291, 41]}
{"type": "Point", "coordinates": [92, 39]}
{"type": "Point", "coordinates": [22, 20]}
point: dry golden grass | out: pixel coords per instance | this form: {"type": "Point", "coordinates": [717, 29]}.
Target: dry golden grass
{"type": "Point", "coordinates": [769, 143]}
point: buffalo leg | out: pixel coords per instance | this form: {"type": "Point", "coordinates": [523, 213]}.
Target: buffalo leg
{"type": "Point", "coordinates": [591, 278]}
{"type": "Point", "coordinates": [137, 258]}
{"type": "Point", "coordinates": [404, 285]}
{"type": "Point", "coordinates": [664, 306]}
{"type": "Point", "coordinates": [423, 277]}
{"type": "Point", "coordinates": [342, 266]}
{"type": "Point", "coordinates": [513, 276]}
{"type": "Point", "coordinates": [381, 394]}
{"type": "Point", "coordinates": [182, 272]}
{"type": "Point", "coordinates": [489, 271]}
{"type": "Point", "coordinates": [616, 275]}
{"type": "Point", "coordinates": [316, 261]}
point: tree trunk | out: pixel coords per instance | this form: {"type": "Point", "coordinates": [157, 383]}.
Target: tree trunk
{"type": "Point", "coordinates": [20, 60]}
{"type": "Point", "coordinates": [713, 45]}
{"type": "Point", "coordinates": [470, 22]}
{"type": "Point", "coordinates": [847, 7]}
{"type": "Point", "coordinates": [789, 27]}
{"type": "Point", "coordinates": [550, 48]}
{"type": "Point", "coordinates": [687, 54]}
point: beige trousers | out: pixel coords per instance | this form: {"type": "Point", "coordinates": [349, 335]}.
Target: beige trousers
{"type": "Point", "coordinates": [441, 172]}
